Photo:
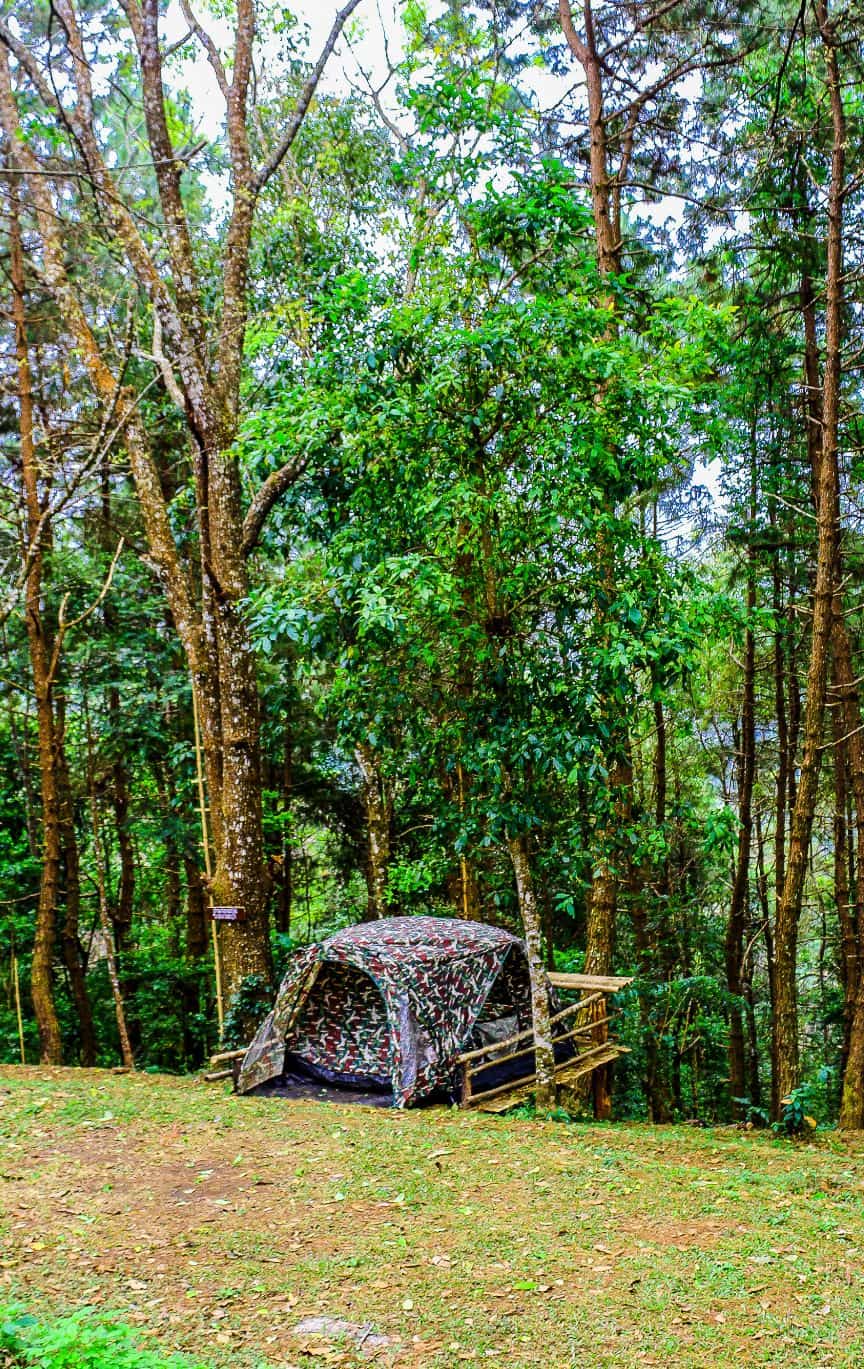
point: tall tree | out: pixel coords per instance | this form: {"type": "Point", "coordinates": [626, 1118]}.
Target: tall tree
{"type": "Point", "coordinates": [43, 661]}
{"type": "Point", "coordinates": [200, 365]}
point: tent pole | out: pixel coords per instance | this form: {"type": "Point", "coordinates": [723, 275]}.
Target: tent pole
{"type": "Point", "coordinates": [205, 842]}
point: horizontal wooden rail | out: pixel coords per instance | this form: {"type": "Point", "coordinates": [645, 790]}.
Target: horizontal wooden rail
{"type": "Point", "coordinates": [528, 1034]}
{"type": "Point", "coordinates": [576, 1007]}
{"type": "Point", "coordinates": [584, 1029]}
{"type": "Point", "coordinates": [579, 1064]}
{"type": "Point", "coordinates": [603, 982]}
{"type": "Point", "coordinates": [228, 1055]}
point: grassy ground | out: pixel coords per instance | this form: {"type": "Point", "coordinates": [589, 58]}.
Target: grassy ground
{"type": "Point", "coordinates": [215, 1224]}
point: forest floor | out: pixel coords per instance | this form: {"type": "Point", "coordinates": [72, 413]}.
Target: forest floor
{"type": "Point", "coordinates": [216, 1225]}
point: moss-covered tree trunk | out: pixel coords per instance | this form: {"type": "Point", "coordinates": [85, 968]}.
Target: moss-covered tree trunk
{"type": "Point", "coordinates": [544, 1056]}
{"type": "Point", "coordinates": [42, 666]}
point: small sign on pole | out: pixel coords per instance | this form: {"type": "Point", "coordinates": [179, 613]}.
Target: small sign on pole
{"type": "Point", "coordinates": [223, 914]}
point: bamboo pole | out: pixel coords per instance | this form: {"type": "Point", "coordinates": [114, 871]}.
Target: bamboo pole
{"type": "Point", "coordinates": [205, 842]}
{"type": "Point", "coordinates": [221, 1058]}
{"type": "Point", "coordinates": [17, 988]}
{"type": "Point", "coordinates": [605, 983]}
{"type": "Point", "coordinates": [463, 864]}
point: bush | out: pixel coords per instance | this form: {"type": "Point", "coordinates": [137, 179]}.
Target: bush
{"type": "Point", "coordinates": [794, 1119]}
{"type": "Point", "coordinates": [79, 1341]}
{"type": "Point", "coordinates": [247, 1009]}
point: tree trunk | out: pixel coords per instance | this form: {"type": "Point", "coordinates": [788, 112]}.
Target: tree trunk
{"type": "Point", "coordinates": [196, 912]}
{"type": "Point", "coordinates": [738, 909]}
{"type": "Point", "coordinates": [20, 752]}
{"type": "Point", "coordinates": [848, 950]}
{"type": "Point", "coordinates": [785, 1051]}
{"type": "Point", "coordinates": [105, 922]}
{"type": "Point", "coordinates": [646, 949]}
{"type": "Point", "coordinates": [544, 1055]}
{"type": "Point", "coordinates": [603, 897]}
{"type": "Point", "coordinates": [122, 911]}
{"type": "Point", "coordinates": [657, 1111]}
{"type": "Point", "coordinates": [284, 883]}
{"type": "Point", "coordinates": [852, 1099]}
{"type": "Point", "coordinates": [599, 942]}
{"type": "Point", "coordinates": [73, 956]}
{"type": "Point", "coordinates": [238, 878]}
{"type": "Point", "coordinates": [40, 649]}
{"type": "Point", "coordinates": [780, 714]}
{"type": "Point", "coordinates": [754, 1083]}
{"type": "Point", "coordinates": [849, 748]}
{"type": "Point", "coordinates": [378, 808]}
{"type": "Point", "coordinates": [607, 228]}
{"type": "Point", "coordinates": [126, 889]}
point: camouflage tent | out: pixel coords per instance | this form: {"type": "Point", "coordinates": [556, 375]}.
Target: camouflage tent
{"type": "Point", "coordinates": [389, 1005]}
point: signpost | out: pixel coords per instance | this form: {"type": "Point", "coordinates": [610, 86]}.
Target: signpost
{"type": "Point", "coordinates": [223, 914]}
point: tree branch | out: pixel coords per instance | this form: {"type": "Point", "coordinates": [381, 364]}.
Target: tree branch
{"type": "Point", "coordinates": [169, 380]}
{"type": "Point", "coordinates": [64, 625]}
{"type": "Point", "coordinates": [568, 28]}
{"type": "Point", "coordinates": [146, 477]}
{"type": "Point", "coordinates": [26, 61]}
{"type": "Point", "coordinates": [208, 45]}
{"type": "Point", "coordinates": [267, 496]}
{"type": "Point", "coordinates": [305, 98]}
{"type": "Point", "coordinates": [235, 257]}
{"type": "Point", "coordinates": [144, 23]}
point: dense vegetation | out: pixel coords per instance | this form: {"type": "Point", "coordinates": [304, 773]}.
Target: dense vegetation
{"type": "Point", "coordinates": [448, 477]}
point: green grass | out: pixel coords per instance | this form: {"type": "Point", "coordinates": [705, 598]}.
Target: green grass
{"type": "Point", "coordinates": [212, 1225]}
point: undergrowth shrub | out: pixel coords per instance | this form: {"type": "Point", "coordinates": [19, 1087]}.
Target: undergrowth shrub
{"type": "Point", "coordinates": [794, 1119]}
{"type": "Point", "coordinates": [247, 1008]}
{"type": "Point", "coordinates": [78, 1341]}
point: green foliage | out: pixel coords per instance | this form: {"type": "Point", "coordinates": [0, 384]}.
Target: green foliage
{"type": "Point", "coordinates": [245, 1011]}
{"type": "Point", "coordinates": [684, 1021]}
{"type": "Point", "coordinates": [169, 1008]}
{"type": "Point", "coordinates": [82, 1340]}
{"type": "Point", "coordinates": [527, 1112]}
{"type": "Point", "coordinates": [795, 1118]}
{"type": "Point", "coordinates": [753, 1115]}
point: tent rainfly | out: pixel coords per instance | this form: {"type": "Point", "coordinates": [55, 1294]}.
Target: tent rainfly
{"type": "Point", "coordinates": [388, 1006]}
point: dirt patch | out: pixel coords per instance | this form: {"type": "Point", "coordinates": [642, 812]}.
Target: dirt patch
{"type": "Point", "coordinates": [701, 1235]}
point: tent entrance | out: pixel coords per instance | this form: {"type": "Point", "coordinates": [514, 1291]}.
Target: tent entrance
{"type": "Point", "coordinates": [342, 1035]}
